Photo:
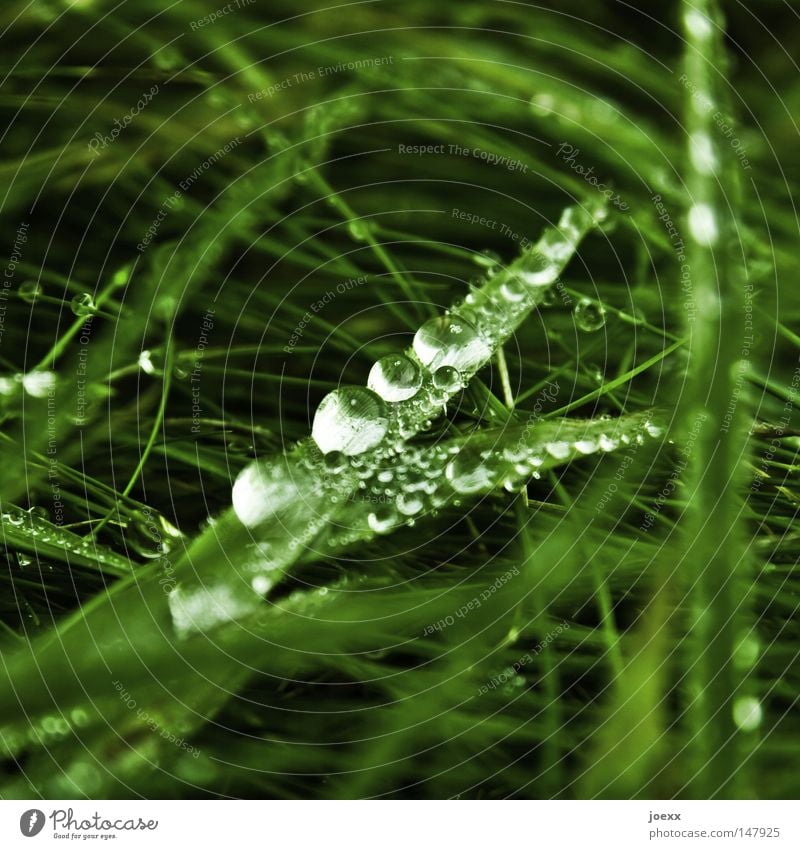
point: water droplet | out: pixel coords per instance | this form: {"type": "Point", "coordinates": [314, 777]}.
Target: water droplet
{"type": "Point", "coordinates": [701, 150]}
{"type": "Point", "coordinates": [267, 487]}
{"type": "Point", "coordinates": [351, 420]}
{"type": "Point", "coordinates": [39, 384]}
{"type": "Point", "coordinates": [589, 315]}
{"type": "Point", "coordinates": [30, 291]}
{"type": "Point", "coordinates": [468, 471]}
{"type": "Point", "coordinates": [543, 104]}
{"type": "Point", "coordinates": [359, 229]}
{"type": "Point", "coordinates": [585, 446]}
{"type": "Point", "coordinates": [747, 713]}
{"type": "Point", "coordinates": [82, 304]}
{"type": "Point", "coordinates": [513, 289]}
{"type": "Point", "coordinates": [653, 429]}
{"type": "Point", "coordinates": [538, 270]}
{"type": "Point", "coordinates": [150, 362]}
{"type": "Point", "coordinates": [382, 520]}
{"type": "Point", "coordinates": [558, 450]}
{"type": "Point", "coordinates": [395, 378]}
{"type": "Point", "coordinates": [703, 224]}
{"type": "Point", "coordinates": [697, 24]}
{"type": "Point", "coordinates": [447, 379]}
{"type": "Point", "coordinates": [409, 503]}
{"type": "Point", "coordinates": [608, 443]}
{"type": "Point", "coordinates": [450, 341]}
{"type": "Point", "coordinates": [746, 651]}
{"type": "Point", "coordinates": [335, 461]}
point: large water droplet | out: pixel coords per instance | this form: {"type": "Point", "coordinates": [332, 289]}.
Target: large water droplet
{"type": "Point", "coordinates": [30, 291]}
{"type": "Point", "coordinates": [351, 420]}
{"type": "Point", "coordinates": [39, 384]}
{"type": "Point", "coordinates": [539, 270]}
{"type": "Point", "coordinates": [747, 713]}
{"type": "Point", "coordinates": [395, 378]}
{"type": "Point", "coordinates": [450, 341]}
{"type": "Point", "coordinates": [589, 315]}
{"type": "Point", "coordinates": [265, 488]}
{"type": "Point", "coordinates": [82, 304]}
{"type": "Point", "coordinates": [468, 471]}
{"type": "Point", "coordinates": [703, 224]}
{"type": "Point", "coordinates": [447, 379]}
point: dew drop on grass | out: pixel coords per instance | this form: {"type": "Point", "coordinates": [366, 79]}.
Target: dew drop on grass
{"type": "Point", "coordinates": [335, 461]}
{"type": "Point", "coordinates": [607, 443]}
{"type": "Point", "coordinates": [266, 488]}
{"type": "Point", "coordinates": [747, 713]}
{"type": "Point", "coordinates": [558, 450]}
{"type": "Point", "coordinates": [382, 520]}
{"type": "Point", "coordinates": [30, 291]}
{"type": "Point", "coordinates": [589, 315]}
{"type": "Point", "coordinates": [539, 270]}
{"type": "Point", "coordinates": [447, 379]}
{"type": "Point", "coordinates": [703, 224]}
{"type": "Point", "coordinates": [150, 362]}
{"type": "Point", "coordinates": [82, 304]}
{"type": "Point", "coordinates": [351, 419]}
{"type": "Point", "coordinates": [359, 230]}
{"type": "Point", "coordinates": [395, 378]}
{"type": "Point", "coordinates": [450, 340]}
{"type": "Point", "coordinates": [513, 289]}
{"type": "Point", "coordinates": [468, 472]}
{"type": "Point", "coordinates": [39, 383]}
{"type": "Point", "coordinates": [410, 504]}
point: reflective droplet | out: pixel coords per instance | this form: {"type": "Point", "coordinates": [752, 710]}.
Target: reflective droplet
{"type": "Point", "coordinates": [450, 341]}
{"type": "Point", "coordinates": [335, 461]}
{"type": "Point", "coordinates": [447, 379]}
{"type": "Point", "coordinates": [608, 443]}
{"type": "Point", "coordinates": [513, 289]}
{"type": "Point", "coordinates": [82, 304]}
{"type": "Point", "coordinates": [558, 450]}
{"type": "Point", "coordinates": [359, 230]}
{"type": "Point", "coordinates": [538, 270]}
{"type": "Point", "coordinates": [39, 384]}
{"type": "Point", "coordinates": [30, 291]}
{"type": "Point", "coordinates": [395, 378]}
{"type": "Point", "coordinates": [351, 420]}
{"type": "Point", "coordinates": [747, 713]}
{"type": "Point", "coordinates": [150, 362]}
{"type": "Point", "coordinates": [589, 315]}
{"type": "Point", "coordinates": [409, 503]}
{"type": "Point", "coordinates": [382, 520]}
{"type": "Point", "coordinates": [703, 224]}
{"type": "Point", "coordinates": [653, 429]}
{"type": "Point", "coordinates": [468, 471]}
{"type": "Point", "coordinates": [265, 488]}
{"type": "Point", "coordinates": [746, 651]}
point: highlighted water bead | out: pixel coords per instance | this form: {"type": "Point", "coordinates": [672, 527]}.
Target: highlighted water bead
{"type": "Point", "coordinates": [469, 472]}
{"type": "Point", "coordinates": [447, 379]}
{"type": "Point", "coordinates": [82, 304]}
{"type": "Point", "coordinates": [351, 420]}
{"type": "Point", "coordinates": [589, 315]}
{"type": "Point", "coordinates": [450, 340]}
{"type": "Point", "coordinates": [395, 378]}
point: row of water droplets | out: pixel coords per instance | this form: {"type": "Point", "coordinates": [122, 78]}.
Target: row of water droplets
{"type": "Point", "coordinates": [415, 486]}
{"type": "Point", "coordinates": [34, 528]}
{"type": "Point", "coordinates": [358, 436]}
{"type": "Point", "coordinates": [356, 475]}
